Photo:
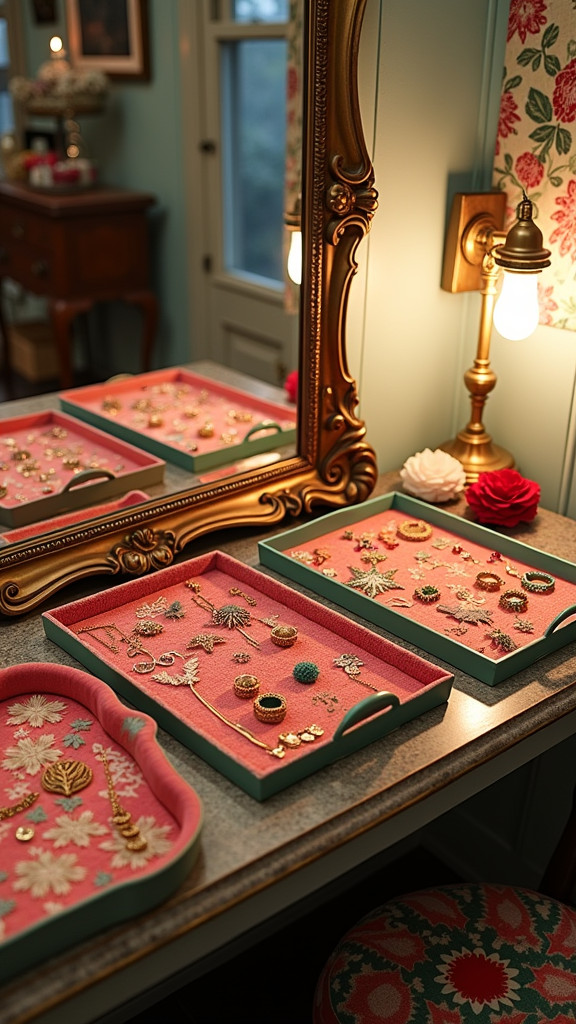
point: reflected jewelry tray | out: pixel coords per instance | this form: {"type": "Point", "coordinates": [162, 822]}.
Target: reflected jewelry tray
{"type": "Point", "coordinates": [175, 643]}
{"type": "Point", "coordinates": [379, 577]}
{"type": "Point", "coordinates": [96, 825]}
{"type": "Point", "coordinates": [189, 420]}
{"type": "Point", "coordinates": [50, 464]}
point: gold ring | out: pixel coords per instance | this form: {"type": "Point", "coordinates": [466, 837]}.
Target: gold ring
{"type": "Point", "coordinates": [284, 636]}
{"type": "Point", "coordinates": [538, 582]}
{"type": "Point", "coordinates": [414, 529]}
{"type": "Point", "coordinates": [489, 581]}
{"type": "Point", "coordinates": [270, 708]}
{"type": "Point", "coordinates": [513, 601]}
{"type": "Point", "coordinates": [246, 686]}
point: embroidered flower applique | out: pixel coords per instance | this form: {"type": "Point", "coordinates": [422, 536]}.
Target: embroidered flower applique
{"type": "Point", "coordinates": [75, 830]}
{"type": "Point", "coordinates": [157, 844]}
{"type": "Point", "coordinates": [36, 711]}
{"type": "Point", "coordinates": [31, 755]}
{"type": "Point", "coordinates": [48, 873]}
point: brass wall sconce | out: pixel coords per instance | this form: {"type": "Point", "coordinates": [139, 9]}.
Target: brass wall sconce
{"type": "Point", "coordinates": [476, 251]}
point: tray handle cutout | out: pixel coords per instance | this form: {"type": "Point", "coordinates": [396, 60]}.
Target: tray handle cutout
{"type": "Point", "coordinates": [85, 477]}
{"type": "Point", "coordinates": [570, 610]}
{"type": "Point", "coordinates": [263, 425]}
{"type": "Point", "coordinates": [365, 709]}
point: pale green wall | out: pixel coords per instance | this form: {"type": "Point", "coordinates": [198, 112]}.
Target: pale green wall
{"type": "Point", "coordinates": [437, 95]}
{"type": "Point", "coordinates": [138, 144]}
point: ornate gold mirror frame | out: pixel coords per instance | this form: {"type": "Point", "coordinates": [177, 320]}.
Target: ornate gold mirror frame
{"type": "Point", "coordinates": [334, 465]}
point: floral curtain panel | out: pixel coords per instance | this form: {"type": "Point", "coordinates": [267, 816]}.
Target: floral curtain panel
{"type": "Point", "coordinates": [536, 143]}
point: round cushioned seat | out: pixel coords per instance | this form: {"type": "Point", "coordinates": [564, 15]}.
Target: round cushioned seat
{"type": "Point", "coordinates": [491, 954]}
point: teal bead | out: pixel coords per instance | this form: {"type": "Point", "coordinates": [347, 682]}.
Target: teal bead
{"type": "Point", "coordinates": [306, 672]}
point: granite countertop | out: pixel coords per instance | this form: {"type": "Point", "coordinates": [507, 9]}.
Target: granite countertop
{"type": "Point", "coordinates": [249, 847]}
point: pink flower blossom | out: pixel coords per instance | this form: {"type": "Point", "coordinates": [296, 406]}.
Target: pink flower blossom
{"type": "Point", "coordinates": [565, 233]}
{"type": "Point", "coordinates": [526, 16]}
{"type": "Point", "coordinates": [529, 170]}
{"type": "Point", "coordinates": [564, 98]}
{"type": "Point", "coordinates": [547, 304]}
{"type": "Point", "coordinates": [508, 115]}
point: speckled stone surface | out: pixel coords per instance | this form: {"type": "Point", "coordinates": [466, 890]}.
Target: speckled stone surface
{"type": "Point", "coordinates": [248, 847]}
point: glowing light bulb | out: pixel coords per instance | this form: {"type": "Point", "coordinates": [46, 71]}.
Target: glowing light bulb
{"type": "Point", "coordinates": [56, 45]}
{"type": "Point", "coordinates": [294, 263]}
{"type": "Point", "coordinates": [516, 312]}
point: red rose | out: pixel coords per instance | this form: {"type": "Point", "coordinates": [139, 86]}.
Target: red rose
{"type": "Point", "coordinates": [503, 497]}
{"type": "Point", "coordinates": [291, 386]}
{"type": "Point", "coordinates": [529, 170]}
{"type": "Point", "coordinates": [564, 98]}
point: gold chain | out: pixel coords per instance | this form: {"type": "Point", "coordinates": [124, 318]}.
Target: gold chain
{"type": "Point", "coordinates": [122, 819]}
{"type": "Point", "coordinates": [22, 805]}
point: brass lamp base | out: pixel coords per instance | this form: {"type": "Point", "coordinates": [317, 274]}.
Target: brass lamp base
{"type": "Point", "coordinates": [477, 454]}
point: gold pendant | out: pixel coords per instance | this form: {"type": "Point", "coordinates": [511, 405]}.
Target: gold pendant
{"type": "Point", "coordinates": [67, 777]}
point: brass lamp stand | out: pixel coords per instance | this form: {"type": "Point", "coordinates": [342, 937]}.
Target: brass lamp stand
{"type": "Point", "coordinates": [476, 250]}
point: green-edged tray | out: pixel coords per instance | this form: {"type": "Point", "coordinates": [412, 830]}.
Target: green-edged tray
{"type": "Point", "coordinates": [268, 429]}
{"type": "Point", "coordinates": [409, 685]}
{"type": "Point", "coordinates": [275, 554]}
{"type": "Point", "coordinates": [92, 882]}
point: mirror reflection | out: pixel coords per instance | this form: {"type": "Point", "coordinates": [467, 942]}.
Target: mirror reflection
{"type": "Point", "coordinates": [223, 180]}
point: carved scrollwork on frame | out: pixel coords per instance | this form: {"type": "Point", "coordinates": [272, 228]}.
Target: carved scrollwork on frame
{"type": "Point", "coordinates": [143, 550]}
{"type": "Point", "coordinates": [334, 464]}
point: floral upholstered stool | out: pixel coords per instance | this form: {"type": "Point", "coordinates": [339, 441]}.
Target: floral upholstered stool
{"type": "Point", "coordinates": [491, 954]}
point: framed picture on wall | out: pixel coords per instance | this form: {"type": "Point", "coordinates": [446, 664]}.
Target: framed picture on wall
{"type": "Point", "coordinates": [109, 36]}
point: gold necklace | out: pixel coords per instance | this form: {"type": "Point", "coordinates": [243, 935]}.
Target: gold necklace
{"type": "Point", "coordinates": [122, 819]}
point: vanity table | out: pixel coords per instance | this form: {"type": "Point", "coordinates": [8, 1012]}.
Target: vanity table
{"type": "Point", "coordinates": [259, 859]}
{"type": "Point", "coordinates": [77, 249]}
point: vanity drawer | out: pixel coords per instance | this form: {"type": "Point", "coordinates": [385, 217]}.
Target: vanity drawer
{"type": "Point", "coordinates": [22, 227]}
{"type": "Point", "coordinates": [32, 266]}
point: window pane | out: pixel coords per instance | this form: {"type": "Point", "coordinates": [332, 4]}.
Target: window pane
{"type": "Point", "coordinates": [260, 10]}
{"type": "Point", "coordinates": [6, 110]}
{"type": "Point", "coordinates": [254, 145]}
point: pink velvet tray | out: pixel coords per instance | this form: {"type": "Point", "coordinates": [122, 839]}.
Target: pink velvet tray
{"type": "Point", "coordinates": [188, 419]}
{"type": "Point", "coordinates": [50, 463]}
{"type": "Point", "coordinates": [425, 588]}
{"type": "Point", "coordinates": [66, 871]}
{"type": "Point", "coordinates": [71, 518]}
{"type": "Point", "coordinates": [184, 644]}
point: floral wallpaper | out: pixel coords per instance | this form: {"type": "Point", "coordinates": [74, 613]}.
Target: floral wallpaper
{"type": "Point", "coordinates": [536, 142]}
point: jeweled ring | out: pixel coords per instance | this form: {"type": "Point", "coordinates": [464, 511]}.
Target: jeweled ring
{"type": "Point", "coordinates": [270, 708]}
{"type": "Point", "coordinates": [246, 686]}
{"type": "Point", "coordinates": [414, 529]}
{"type": "Point", "coordinates": [427, 594]}
{"type": "Point", "coordinates": [489, 581]}
{"type": "Point", "coordinates": [538, 582]}
{"type": "Point", "coordinates": [284, 636]}
{"type": "Point", "coordinates": [513, 601]}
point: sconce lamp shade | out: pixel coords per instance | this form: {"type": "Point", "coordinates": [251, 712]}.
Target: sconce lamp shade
{"type": "Point", "coordinates": [523, 251]}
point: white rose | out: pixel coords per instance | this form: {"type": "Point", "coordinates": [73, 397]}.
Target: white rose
{"type": "Point", "coordinates": [433, 476]}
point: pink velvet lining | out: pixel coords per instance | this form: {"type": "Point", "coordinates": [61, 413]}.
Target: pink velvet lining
{"type": "Point", "coordinates": [71, 518]}
{"type": "Point", "coordinates": [412, 571]}
{"type": "Point", "coordinates": [182, 404]}
{"type": "Point", "coordinates": [94, 449]}
{"type": "Point", "coordinates": [77, 717]}
{"type": "Point", "coordinates": [323, 635]}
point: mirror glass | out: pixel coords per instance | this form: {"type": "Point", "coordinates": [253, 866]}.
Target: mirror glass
{"type": "Point", "coordinates": [330, 464]}
{"type": "Point", "coordinates": [253, 170]}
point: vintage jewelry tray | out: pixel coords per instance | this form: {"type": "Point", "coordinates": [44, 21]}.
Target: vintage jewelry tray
{"type": "Point", "coordinates": [190, 420]}
{"type": "Point", "coordinates": [399, 562]}
{"type": "Point", "coordinates": [96, 825]}
{"type": "Point", "coordinates": [50, 463]}
{"type": "Point", "coordinates": [185, 642]}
